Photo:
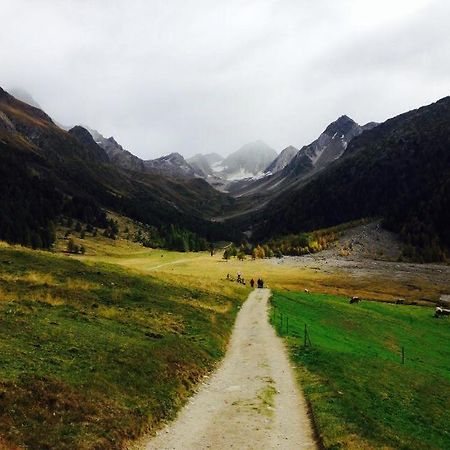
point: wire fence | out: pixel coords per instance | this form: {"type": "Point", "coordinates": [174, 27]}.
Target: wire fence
{"type": "Point", "coordinates": [302, 334]}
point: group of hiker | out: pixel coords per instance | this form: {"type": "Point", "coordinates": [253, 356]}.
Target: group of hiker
{"type": "Point", "coordinates": [240, 279]}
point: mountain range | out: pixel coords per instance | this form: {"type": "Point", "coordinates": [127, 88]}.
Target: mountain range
{"type": "Point", "coordinates": [203, 164]}
{"type": "Point", "coordinates": [48, 172]}
{"type": "Point", "coordinates": [398, 170]}
{"type": "Point", "coordinates": [248, 162]}
{"type": "Point", "coordinates": [292, 168]}
{"type": "Point", "coordinates": [173, 165]}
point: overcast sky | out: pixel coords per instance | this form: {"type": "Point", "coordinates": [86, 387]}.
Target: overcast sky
{"type": "Point", "coordinates": [208, 75]}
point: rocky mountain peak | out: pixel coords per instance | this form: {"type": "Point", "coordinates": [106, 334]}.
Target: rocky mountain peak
{"type": "Point", "coordinates": [172, 164]}
{"type": "Point", "coordinates": [174, 157]}
{"type": "Point", "coordinates": [113, 141]}
{"type": "Point", "coordinates": [282, 160]}
{"type": "Point", "coordinates": [81, 132]}
{"type": "Point", "coordinates": [204, 164]}
{"type": "Point", "coordinates": [328, 147]}
{"type": "Point", "coordinates": [93, 150]}
{"type": "Point", "coordinates": [250, 160]}
{"type": "Point", "coordinates": [342, 125]}
{"type": "Point", "coordinates": [370, 126]}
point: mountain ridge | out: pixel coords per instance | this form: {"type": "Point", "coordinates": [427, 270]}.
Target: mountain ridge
{"type": "Point", "coordinates": [328, 147]}
{"type": "Point", "coordinates": [173, 164]}
{"type": "Point", "coordinates": [398, 170]}
{"type": "Point", "coordinates": [68, 173]}
{"type": "Point", "coordinates": [249, 160]}
{"type": "Point", "coordinates": [282, 160]}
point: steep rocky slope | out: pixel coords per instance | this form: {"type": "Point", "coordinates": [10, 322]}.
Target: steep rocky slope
{"type": "Point", "coordinates": [282, 160]}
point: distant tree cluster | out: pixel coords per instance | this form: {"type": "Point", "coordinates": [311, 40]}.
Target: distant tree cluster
{"type": "Point", "coordinates": [75, 248]}
{"type": "Point", "coordinates": [233, 251]}
{"type": "Point", "coordinates": [292, 244]}
{"type": "Point", "coordinates": [148, 236]}
{"type": "Point", "coordinates": [307, 243]}
{"type": "Point", "coordinates": [86, 211]}
{"type": "Point", "coordinates": [247, 249]}
{"type": "Point", "coordinates": [422, 242]}
{"type": "Point", "coordinates": [171, 237]}
{"type": "Point", "coordinates": [182, 240]}
{"type": "Point", "coordinates": [77, 229]}
{"type": "Point", "coordinates": [170, 222]}
{"type": "Point", "coordinates": [111, 229]}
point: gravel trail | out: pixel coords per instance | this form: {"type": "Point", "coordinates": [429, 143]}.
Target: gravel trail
{"type": "Point", "coordinates": [252, 401]}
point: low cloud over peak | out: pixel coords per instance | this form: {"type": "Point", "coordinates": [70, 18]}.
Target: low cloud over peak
{"type": "Point", "coordinates": [204, 76]}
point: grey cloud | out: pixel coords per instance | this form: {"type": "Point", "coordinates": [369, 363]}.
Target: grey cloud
{"type": "Point", "coordinates": [202, 75]}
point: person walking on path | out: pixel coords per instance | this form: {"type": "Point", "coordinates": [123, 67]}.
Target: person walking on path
{"type": "Point", "coordinates": [252, 283]}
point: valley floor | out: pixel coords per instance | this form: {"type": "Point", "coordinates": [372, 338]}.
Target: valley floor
{"type": "Point", "coordinates": [366, 261]}
{"type": "Point", "coordinates": [104, 347]}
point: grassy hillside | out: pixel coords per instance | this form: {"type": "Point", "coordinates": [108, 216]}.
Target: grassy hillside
{"type": "Point", "coordinates": [362, 396]}
{"type": "Point", "coordinates": [93, 354]}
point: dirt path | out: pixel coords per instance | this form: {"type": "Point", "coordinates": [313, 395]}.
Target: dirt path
{"type": "Point", "coordinates": [251, 402]}
{"type": "Point", "coordinates": [178, 261]}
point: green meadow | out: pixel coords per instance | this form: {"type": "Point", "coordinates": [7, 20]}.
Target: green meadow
{"type": "Point", "coordinates": [93, 355]}
{"type": "Point", "coordinates": [97, 350]}
{"type": "Point", "coordinates": [360, 392]}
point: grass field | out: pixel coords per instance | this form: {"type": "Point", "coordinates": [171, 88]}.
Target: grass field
{"type": "Point", "coordinates": [206, 271]}
{"type": "Point", "coordinates": [97, 349]}
{"type": "Point", "coordinates": [361, 395]}
{"type": "Point", "coordinates": [94, 354]}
